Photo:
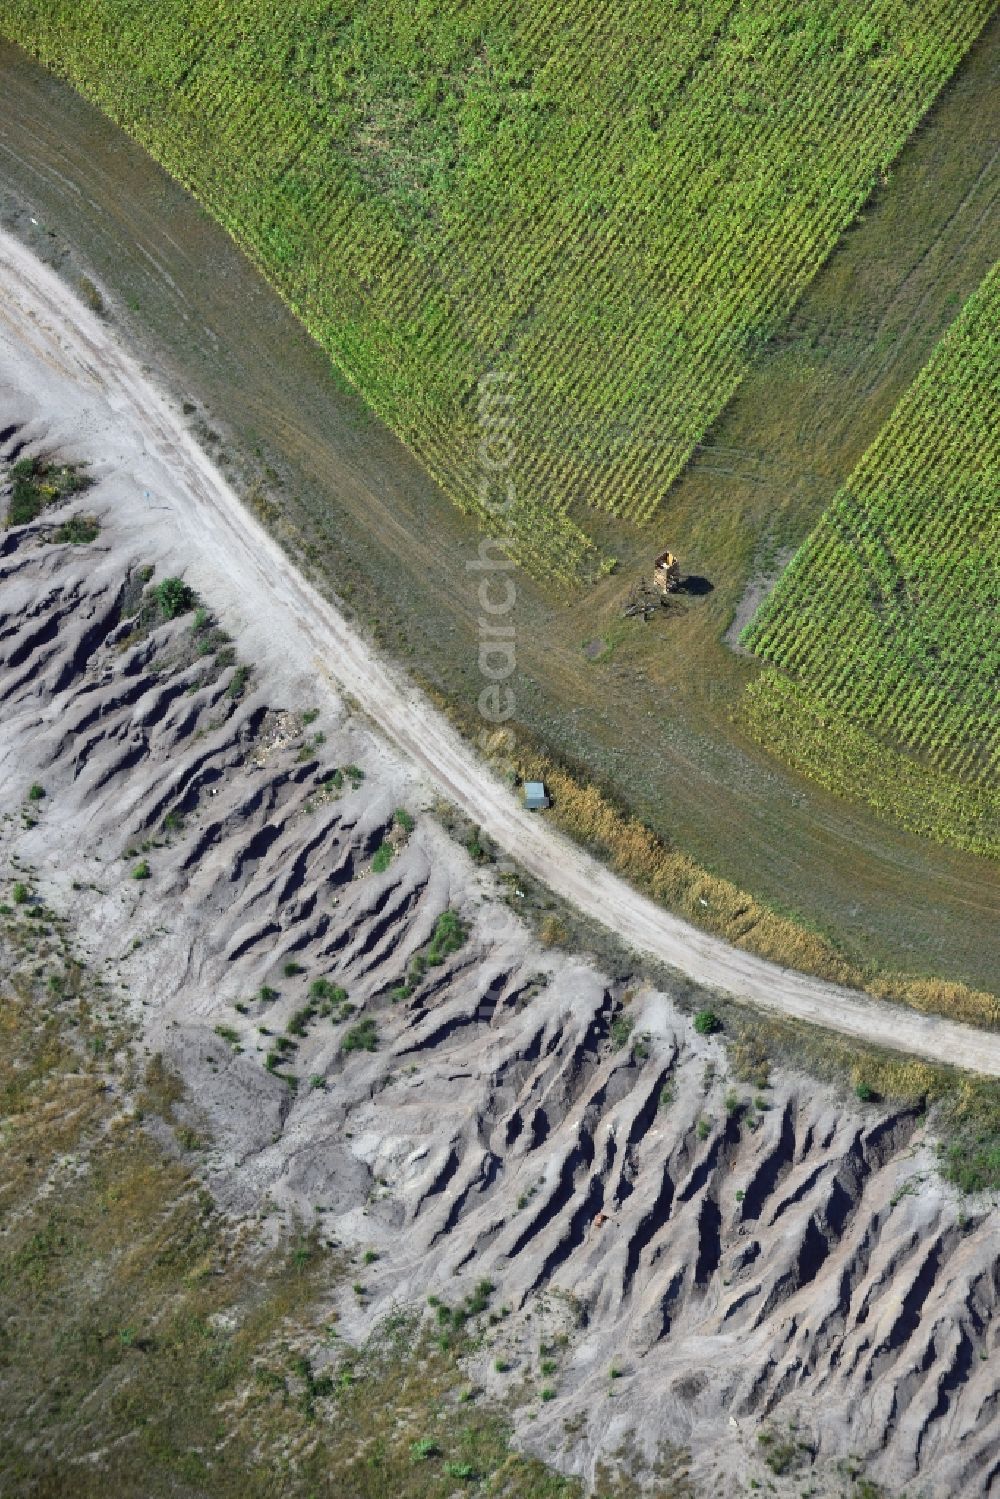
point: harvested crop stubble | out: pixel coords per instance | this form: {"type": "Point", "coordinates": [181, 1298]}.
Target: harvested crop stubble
{"type": "Point", "coordinates": [614, 208]}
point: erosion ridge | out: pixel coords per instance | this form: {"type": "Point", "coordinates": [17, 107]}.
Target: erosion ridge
{"type": "Point", "coordinates": [742, 1262]}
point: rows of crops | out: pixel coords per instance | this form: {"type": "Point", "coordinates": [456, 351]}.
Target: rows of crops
{"type": "Point", "coordinates": [890, 612]}
{"type": "Point", "coordinates": [830, 747]}
{"type": "Point", "coordinates": [615, 206]}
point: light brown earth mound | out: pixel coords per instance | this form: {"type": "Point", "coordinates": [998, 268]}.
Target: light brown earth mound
{"type": "Point", "coordinates": [784, 1265]}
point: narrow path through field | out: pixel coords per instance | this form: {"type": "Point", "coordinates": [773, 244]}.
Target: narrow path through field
{"type": "Point", "coordinates": [242, 568]}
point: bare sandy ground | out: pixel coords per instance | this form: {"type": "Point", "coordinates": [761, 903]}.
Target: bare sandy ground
{"type": "Point", "coordinates": [48, 337]}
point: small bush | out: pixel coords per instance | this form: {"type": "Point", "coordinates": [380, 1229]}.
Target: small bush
{"type": "Point", "coordinates": [403, 820]}
{"type": "Point", "coordinates": [621, 1029]}
{"type": "Point", "coordinates": [706, 1023]}
{"type": "Point", "coordinates": [36, 793]}
{"type": "Point", "coordinates": [142, 870]}
{"type": "Point", "coordinates": [291, 969]}
{"type": "Point", "coordinates": [331, 999]}
{"type": "Point", "coordinates": [783, 1457]}
{"type": "Point", "coordinates": [174, 597]}
{"type": "Point", "coordinates": [449, 936]}
{"type": "Point", "coordinates": [36, 483]}
{"type": "Point", "coordinates": [239, 681]}
{"type": "Point", "coordinates": [865, 1092]}
{"type": "Point", "coordinates": [475, 847]}
{"type": "Point", "coordinates": [361, 1037]}
{"type": "Point", "coordinates": [382, 858]}
{"type": "Point", "coordinates": [79, 530]}
{"type": "Point", "coordinates": [424, 1449]}
{"type": "Point", "coordinates": [704, 1129]}
{"type": "Point", "coordinates": [266, 994]}
{"type": "Point", "coordinates": [548, 1393]}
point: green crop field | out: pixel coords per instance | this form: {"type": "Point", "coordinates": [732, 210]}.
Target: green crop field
{"type": "Point", "coordinates": [885, 624]}
{"type": "Point", "coordinates": [613, 208]}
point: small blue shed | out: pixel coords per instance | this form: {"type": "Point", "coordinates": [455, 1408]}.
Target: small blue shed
{"type": "Point", "coordinates": [535, 798]}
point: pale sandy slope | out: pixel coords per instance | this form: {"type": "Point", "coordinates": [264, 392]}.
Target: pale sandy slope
{"type": "Point", "coordinates": [47, 335]}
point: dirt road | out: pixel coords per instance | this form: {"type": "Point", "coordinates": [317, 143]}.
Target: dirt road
{"type": "Point", "coordinates": [45, 333]}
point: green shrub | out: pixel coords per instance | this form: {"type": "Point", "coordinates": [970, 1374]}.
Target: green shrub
{"type": "Point", "coordinates": [36, 483]}
{"type": "Point", "coordinates": [142, 870]}
{"type": "Point", "coordinates": [706, 1023]}
{"type": "Point", "coordinates": [21, 893]}
{"type": "Point", "coordinates": [174, 597]}
{"type": "Point", "coordinates": [382, 858]}
{"type": "Point", "coordinates": [403, 820]}
{"type": "Point", "coordinates": [621, 1029]}
{"type": "Point", "coordinates": [361, 1037]}
{"type": "Point", "coordinates": [36, 793]}
{"type": "Point", "coordinates": [291, 969]}
{"type": "Point", "coordinates": [783, 1457]}
{"type": "Point", "coordinates": [449, 936]}
{"type": "Point", "coordinates": [79, 530]}
{"type": "Point", "coordinates": [239, 681]}
{"type": "Point", "coordinates": [266, 994]}
{"type": "Point", "coordinates": [425, 1448]}
{"type": "Point", "coordinates": [865, 1092]}
{"type": "Point", "coordinates": [331, 1000]}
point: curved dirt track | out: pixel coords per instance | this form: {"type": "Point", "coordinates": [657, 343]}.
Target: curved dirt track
{"type": "Point", "coordinates": [43, 323]}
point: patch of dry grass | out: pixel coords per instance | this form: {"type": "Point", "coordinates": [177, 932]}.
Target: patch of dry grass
{"type": "Point", "coordinates": [674, 879]}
